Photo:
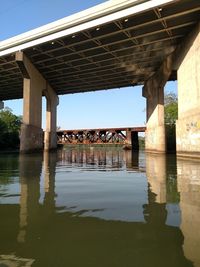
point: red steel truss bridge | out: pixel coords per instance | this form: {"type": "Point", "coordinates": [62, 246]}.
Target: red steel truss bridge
{"type": "Point", "coordinates": [121, 136]}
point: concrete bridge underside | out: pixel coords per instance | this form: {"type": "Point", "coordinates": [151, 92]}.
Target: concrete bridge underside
{"type": "Point", "coordinates": [113, 45]}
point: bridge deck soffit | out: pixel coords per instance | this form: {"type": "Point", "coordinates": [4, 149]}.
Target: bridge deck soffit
{"type": "Point", "coordinates": [119, 53]}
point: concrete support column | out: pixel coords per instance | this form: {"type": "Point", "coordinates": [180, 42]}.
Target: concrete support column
{"type": "Point", "coordinates": [50, 138]}
{"type": "Point", "coordinates": [188, 123]}
{"type": "Point", "coordinates": [31, 137]}
{"type": "Point", "coordinates": [34, 86]}
{"type": "Point", "coordinates": [155, 128]}
{"type": "Point", "coordinates": [153, 90]}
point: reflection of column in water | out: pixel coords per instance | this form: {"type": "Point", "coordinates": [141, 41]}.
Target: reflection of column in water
{"type": "Point", "coordinates": [46, 171]}
{"type": "Point", "coordinates": [23, 212]}
{"type": "Point", "coordinates": [73, 156]}
{"type": "Point", "coordinates": [131, 159]}
{"type": "Point", "coordinates": [155, 212]}
{"type": "Point", "coordinates": [107, 154]}
{"type": "Point", "coordinates": [156, 175]}
{"type": "Point", "coordinates": [104, 162]}
{"type": "Point", "coordinates": [30, 171]}
{"type": "Point", "coordinates": [84, 157]}
{"type": "Point", "coordinates": [95, 155]}
{"type": "Point", "coordinates": [119, 158]}
{"type": "Point", "coordinates": [49, 180]}
{"type": "Point", "coordinates": [92, 156]}
{"type": "Point", "coordinates": [67, 156]}
{"type": "Point", "coordinates": [189, 188]}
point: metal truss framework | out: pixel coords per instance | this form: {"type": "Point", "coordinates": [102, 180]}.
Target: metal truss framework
{"type": "Point", "coordinates": [97, 136]}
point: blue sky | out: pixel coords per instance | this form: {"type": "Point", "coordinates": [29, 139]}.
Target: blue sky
{"type": "Point", "coordinates": [111, 108]}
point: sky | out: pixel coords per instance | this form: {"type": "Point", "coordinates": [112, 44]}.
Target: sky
{"type": "Point", "coordinates": [109, 108]}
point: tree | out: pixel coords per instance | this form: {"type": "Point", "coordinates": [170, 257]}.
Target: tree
{"type": "Point", "coordinates": [12, 121]}
{"type": "Point", "coordinates": [9, 129]}
{"type": "Point", "coordinates": [171, 115]}
{"type": "Point", "coordinates": [170, 98]}
{"type": "Point", "coordinates": [171, 108]}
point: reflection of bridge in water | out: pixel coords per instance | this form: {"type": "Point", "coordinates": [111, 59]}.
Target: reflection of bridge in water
{"type": "Point", "coordinates": [113, 45]}
{"type": "Point", "coordinates": [121, 136]}
{"type": "Point", "coordinates": [36, 229]}
{"type": "Point", "coordinates": [101, 158]}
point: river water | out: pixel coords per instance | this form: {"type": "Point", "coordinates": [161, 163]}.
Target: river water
{"type": "Point", "coordinates": [99, 207]}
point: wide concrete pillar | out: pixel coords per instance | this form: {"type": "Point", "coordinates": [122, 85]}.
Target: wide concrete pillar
{"type": "Point", "coordinates": [153, 90]}
{"type": "Point", "coordinates": [34, 86]}
{"type": "Point", "coordinates": [188, 123]}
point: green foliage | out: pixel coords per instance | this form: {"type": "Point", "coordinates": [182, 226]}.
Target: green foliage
{"type": "Point", "coordinates": [12, 121]}
{"type": "Point", "coordinates": [9, 129]}
{"type": "Point", "coordinates": [171, 115]}
{"type": "Point", "coordinates": [173, 195]}
{"type": "Point", "coordinates": [171, 109]}
{"type": "Point", "coordinates": [141, 142]}
{"type": "Point", "coordinates": [3, 127]}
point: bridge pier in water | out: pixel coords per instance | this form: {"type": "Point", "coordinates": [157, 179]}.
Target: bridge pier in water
{"type": "Point", "coordinates": [153, 91]}
{"type": "Point", "coordinates": [34, 86]}
{"type": "Point", "coordinates": [50, 137]}
{"type": "Point", "coordinates": [186, 60]}
{"type": "Point", "coordinates": [188, 123]}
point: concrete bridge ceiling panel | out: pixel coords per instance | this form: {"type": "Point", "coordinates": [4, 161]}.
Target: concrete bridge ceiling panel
{"type": "Point", "coordinates": [10, 78]}
{"type": "Point", "coordinates": [120, 53]}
